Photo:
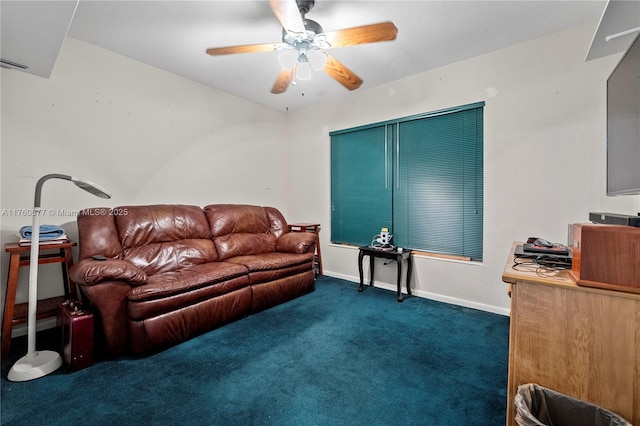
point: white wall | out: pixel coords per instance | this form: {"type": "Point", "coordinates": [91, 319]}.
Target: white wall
{"type": "Point", "coordinates": [544, 135]}
{"type": "Point", "coordinates": [152, 137]}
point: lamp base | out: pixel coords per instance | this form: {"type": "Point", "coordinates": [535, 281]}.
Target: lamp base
{"type": "Point", "coordinates": [34, 366]}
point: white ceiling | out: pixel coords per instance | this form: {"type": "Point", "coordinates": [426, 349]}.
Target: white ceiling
{"type": "Point", "coordinates": [173, 36]}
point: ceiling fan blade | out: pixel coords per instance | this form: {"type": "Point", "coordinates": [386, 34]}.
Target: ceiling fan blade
{"type": "Point", "coordinates": [283, 80]}
{"type": "Point", "coordinates": [288, 14]}
{"type": "Point", "coordinates": [247, 48]}
{"type": "Point", "coordinates": [383, 31]}
{"type": "Point", "coordinates": [341, 74]}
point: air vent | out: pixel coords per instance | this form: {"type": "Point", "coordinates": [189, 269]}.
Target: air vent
{"type": "Point", "coordinates": [12, 65]}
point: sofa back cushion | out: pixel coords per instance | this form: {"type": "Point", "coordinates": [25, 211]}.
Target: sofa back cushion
{"type": "Point", "coordinates": [277, 221]}
{"type": "Point", "coordinates": [240, 230]}
{"type": "Point", "coordinates": [161, 238]}
{"type": "Point", "coordinates": [97, 233]}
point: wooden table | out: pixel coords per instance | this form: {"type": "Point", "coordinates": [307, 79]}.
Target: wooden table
{"type": "Point", "coordinates": [17, 314]}
{"type": "Point", "coordinates": [394, 254]}
{"type": "Point", "coordinates": [580, 341]}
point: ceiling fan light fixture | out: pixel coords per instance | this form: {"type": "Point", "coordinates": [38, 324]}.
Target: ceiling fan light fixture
{"type": "Point", "coordinates": [317, 59]}
{"type": "Point", "coordinates": [288, 58]}
{"type": "Point", "coordinates": [303, 70]}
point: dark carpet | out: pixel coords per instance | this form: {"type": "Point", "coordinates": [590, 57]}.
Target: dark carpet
{"type": "Point", "coordinates": [333, 357]}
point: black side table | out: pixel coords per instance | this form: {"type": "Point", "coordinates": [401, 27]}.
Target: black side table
{"type": "Point", "coordinates": [394, 254]}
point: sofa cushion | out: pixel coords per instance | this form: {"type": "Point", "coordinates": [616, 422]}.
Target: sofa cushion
{"type": "Point", "coordinates": [244, 244]}
{"type": "Point", "coordinates": [278, 224]}
{"type": "Point", "coordinates": [170, 256]}
{"type": "Point", "coordinates": [272, 261]}
{"type": "Point", "coordinates": [98, 233]}
{"type": "Point", "coordinates": [160, 223]}
{"type": "Point", "coordinates": [236, 218]}
{"type": "Point", "coordinates": [187, 279]}
{"type": "Point", "coordinates": [272, 266]}
{"type": "Point", "coordinates": [239, 230]}
{"type": "Point", "coordinates": [161, 238]}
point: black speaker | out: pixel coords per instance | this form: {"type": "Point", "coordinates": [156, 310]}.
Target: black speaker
{"type": "Point", "coordinates": [614, 219]}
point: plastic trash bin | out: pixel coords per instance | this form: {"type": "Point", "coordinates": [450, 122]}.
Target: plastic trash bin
{"type": "Point", "coordinates": [540, 406]}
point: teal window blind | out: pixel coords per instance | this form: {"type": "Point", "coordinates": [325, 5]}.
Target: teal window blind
{"type": "Point", "coordinates": [361, 185]}
{"type": "Point", "coordinates": [420, 176]}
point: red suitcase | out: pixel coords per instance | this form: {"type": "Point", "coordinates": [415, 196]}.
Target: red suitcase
{"type": "Point", "coordinates": [77, 334]}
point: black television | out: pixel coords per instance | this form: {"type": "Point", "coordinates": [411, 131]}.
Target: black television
{"type": "Point", "coordinates": [623, 124]}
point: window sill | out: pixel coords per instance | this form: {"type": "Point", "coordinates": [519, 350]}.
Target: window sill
{"type": "Point", "coordinates": [425, 254]}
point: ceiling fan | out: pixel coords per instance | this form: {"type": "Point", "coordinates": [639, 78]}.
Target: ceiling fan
{"type": "Point", "coordinates": [304, 43]}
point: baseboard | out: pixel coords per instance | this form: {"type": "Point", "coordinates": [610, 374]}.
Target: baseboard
{"type": "Point", "coordinates": [43, 324]}
{"type": "Point", "coordinates": [428, 295]}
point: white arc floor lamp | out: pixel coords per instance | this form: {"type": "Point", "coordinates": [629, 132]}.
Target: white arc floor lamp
{"type": "Point", "coordinates": [35, 363]}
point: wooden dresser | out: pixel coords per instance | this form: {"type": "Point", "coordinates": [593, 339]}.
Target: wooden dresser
{"type": "Point", "coordinates": [580, 341]}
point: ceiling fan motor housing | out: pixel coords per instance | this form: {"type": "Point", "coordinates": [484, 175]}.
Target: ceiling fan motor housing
{"type": "Point", "coordinates": [313, 26]}
{"type": "Point", "coordinates": [296, 40]}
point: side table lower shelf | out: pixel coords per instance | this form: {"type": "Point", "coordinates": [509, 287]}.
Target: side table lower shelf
{"type": "Point", "coordinates": [46, 308]}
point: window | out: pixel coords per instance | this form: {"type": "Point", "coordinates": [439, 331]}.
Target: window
{"type": "Point", "coordinates": [419, 176]}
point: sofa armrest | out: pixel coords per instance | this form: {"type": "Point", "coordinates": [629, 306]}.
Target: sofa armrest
{"type": "Point", "coordinates": [297, 242]}
{"type": "Point", "coordinates": [90, 271]}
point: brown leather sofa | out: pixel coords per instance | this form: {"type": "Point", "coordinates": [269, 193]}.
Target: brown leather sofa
{"type": "Point", "coordinates": [175, 271]}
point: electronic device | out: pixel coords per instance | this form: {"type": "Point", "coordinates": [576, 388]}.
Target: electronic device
{"type": "Point", "coordinates": [623, 126]}
{"type": "Point", "coordinates": [614, 219]}
{"type": "Point", "coordinates": [557, 260]}
{"type": "Point", "coordinates": [554, 249]}
{"type": "Point", "coordinates": [539, 242]}
{"type": "Point", "coordinates": [538, 245]}
{"type": "Point", "coordinates": [382, 240]}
